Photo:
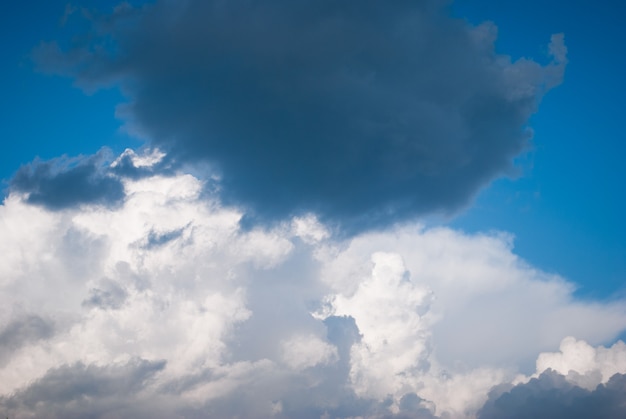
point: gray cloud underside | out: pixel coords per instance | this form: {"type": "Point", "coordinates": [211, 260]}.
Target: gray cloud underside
{"type": "Point", "coordinates": [21, 331]}
{"type": "Point", "coordinates": [551, 396]}
{"type": "Point", "coordinates": [86, 391]}
{"type": "Point", "coordinates": [64, 182]}
{"type": "Point", "coordinates": [81, 391]}
{"type": "Point", "coordinates": [67, 182]}
{"type": "Point", "coordinates": [123, 390]}
{"type": "Point", "coordinates": [365, 113]}
{"type": "Point", "coordinates": [90, 391]}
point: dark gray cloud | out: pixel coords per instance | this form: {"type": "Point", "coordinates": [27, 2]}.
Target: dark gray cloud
{"type": "Point", "coordinates": [551, 396]}
{"type": "Point", "coordinates": [66, 182]}
{"type": "Point", "coordinates": [366, 112]}
{"type": "Point", "coordinates": [96, 179]}
{"type": "Point", "coordinates": [85, 391]}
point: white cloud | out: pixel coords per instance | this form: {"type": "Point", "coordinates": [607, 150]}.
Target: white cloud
{"type": "Point", "coordinates": [259, 320]}
{"type": "Point", "coordinates": [583, 364]}
{"type": "Point", "coordinates": [386, 307]}
{"type": "Point", "coordinates": [301, 352]}
{"type": "Point", "coordinates": [309, 229]}
{"type": "Point", "coordinates": [148, 159]}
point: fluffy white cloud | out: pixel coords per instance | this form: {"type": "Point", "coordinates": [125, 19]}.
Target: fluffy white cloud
{"type": "Point", "coordinates": [386, 307]}
{"type": "Point", "coordinates": [302, 352]}
{"type": "Point", "coordinates": [583, 364]}
{"type": "Point", "coordinates": [167, 294]}
{"type": "Point", "coordinates": [491, 307]}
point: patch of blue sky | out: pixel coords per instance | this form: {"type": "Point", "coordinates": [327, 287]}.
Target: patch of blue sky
{"type": "Point", "coordinates": [45, 115]}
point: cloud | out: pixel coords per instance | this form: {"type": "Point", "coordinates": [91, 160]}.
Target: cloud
{"type": "Point", "coordinates": [364, 114]}
{"type": "Point", "coordinates": [164, 305]}
{"type": "Point", "coordinates": [80, 391]}
{"type": "Point", "coordinates": [66, 182]}
{"type": "Point", "coordinates": [69, 182]}
{"type": "Point", "coordinates": [21, 331]}
{"type": "Point", "coordinates": [303, 352]}
{"type": "Point", "coordinates": [552, 396]}
{"type": "Point", "coordinates": [583, 364]}
{"type": "Point", "coordinates": [579, 381]}
{"type": "Point", "coordinates": [108, 295]}
{"type": "Point", "coordinates": [475, 281]}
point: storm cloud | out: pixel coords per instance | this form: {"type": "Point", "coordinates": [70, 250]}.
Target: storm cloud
{"type": "Point", "coordinates": [365, 113]}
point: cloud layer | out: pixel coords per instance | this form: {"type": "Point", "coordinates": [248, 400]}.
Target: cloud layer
{"type": "Point", "coordinates": [365, 114]}
{"type": "Point", "coordinates": [164, 306]}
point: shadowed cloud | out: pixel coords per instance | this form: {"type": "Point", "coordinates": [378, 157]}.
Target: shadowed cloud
{"type": "Point", "coordinates": [96, 179]}
{"type": "Point", "coordinates": [65, 182]}
{"type": "Point", "coordinates": [364, 113]}
{"type": "Point", "coordinates": [552, 396]}
{"type": "Point", "coordinates": [22, 331]}
{"type": "Point", "coordinates": [81, 391]}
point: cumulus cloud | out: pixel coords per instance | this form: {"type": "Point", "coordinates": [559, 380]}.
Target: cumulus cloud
{"type": "Point", "coordinates": [471, 278]}
{"type": "Point", "coordinates": [308, 351]}
{"type": "Point", "coordinates": [578, 381]}
{"type": "Point", "coordinates": [164, 305]}
{"type": "Point", "coordinates": [583, 364]}
{"type": "Point", "coordinates": [365, 113]}
{"type": "Point", "coordinates": [552, 396]}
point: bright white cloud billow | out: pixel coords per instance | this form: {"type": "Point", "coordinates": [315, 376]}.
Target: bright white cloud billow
{"type": "Point", "coordinates": [583, 364]}
{"type": "Point", "coordinates": [164, 306]}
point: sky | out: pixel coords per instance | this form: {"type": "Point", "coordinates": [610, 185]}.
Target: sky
{"type": "Point", "coordinates": [312, 209]}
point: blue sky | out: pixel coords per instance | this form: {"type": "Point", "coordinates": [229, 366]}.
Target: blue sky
{"type": "Point", "coordinates": [37, 121]}
{"type": "Point", "coordinates": [325, 210]}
